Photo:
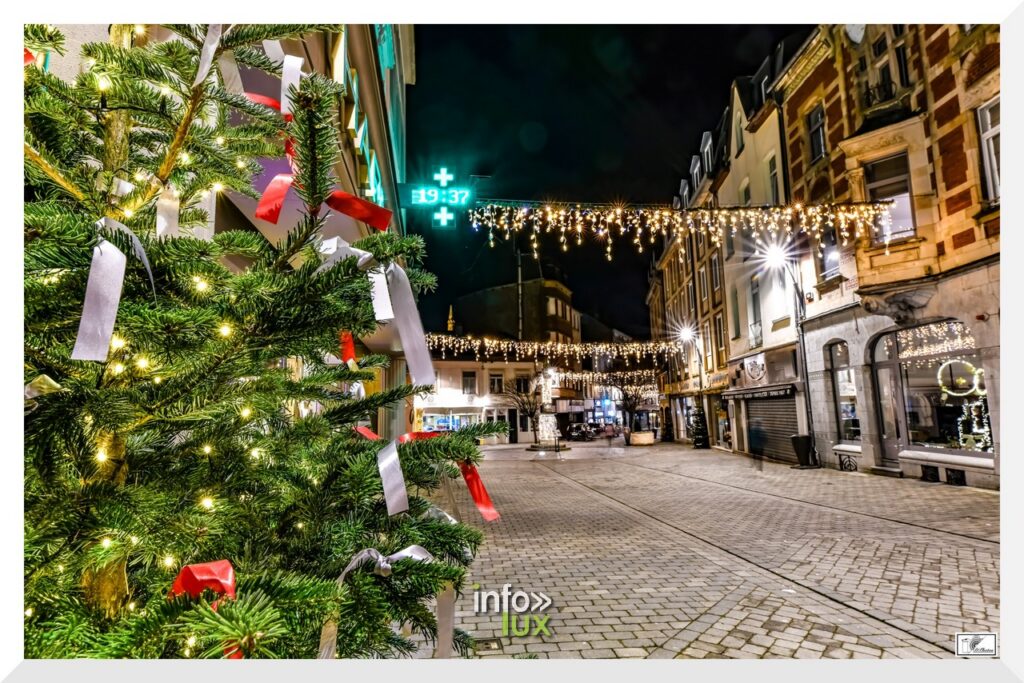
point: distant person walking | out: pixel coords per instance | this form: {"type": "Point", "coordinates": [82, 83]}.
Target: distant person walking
{"type": "Point", "coordinates": [757, 439]}
{"type": "Point", "coordinates": [609, 434]}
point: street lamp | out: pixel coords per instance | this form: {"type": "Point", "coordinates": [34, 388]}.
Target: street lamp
{"type": "Point", "coordinates": [778, 258]}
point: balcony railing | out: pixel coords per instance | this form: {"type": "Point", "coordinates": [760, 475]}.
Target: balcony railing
{"type": "Point", "coordinates": [755, 335]}
{"type": "Point", "coordinates": [879, 94]}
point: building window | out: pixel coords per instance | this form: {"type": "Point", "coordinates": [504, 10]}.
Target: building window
{"type": "Point", "coordinates": [764, 89]}
{"type": "Point", "coordinates": [706, 153]}
{"type": "Point", "coordinates": [469, 382]}
{"type": "Point", "coordinates": [828, 255]}
{"type": "Point", "coordinates": [745, 192]}
{"type": "Point", "coordinates": [695, 173]}
{"type": "Point", "coordinates": [730, 243]}
{"type": "Point", "coordinates": [716, 273]}
{"type": "Point", "coordinates": [898, 29]}
{"type": "Point", "coordinates": [703, 278]}
{"type": "Point", "coordinates": [844, 392]}
{"type": "Point", "coordinates": [903, 66]}
{"type": "Point", "coordinates": [773, 180]}
{"type": "Point", "coordinates": [552, 307]}
{"type": "Point", "coordinates": [879, 46]}
{"type": "Point", "coordinates": [890, 179]}
{"type": "Point", "coordinates": [708, 349]}
{"type": "Point", "coordinates": [497, 382]}
{"type": "Point", "coordinates": [734, 311]}
{"type": "Point", "coordinates": [524, 422]}
{"type": "Point", "coordinates": [693, 298]}
{"type": "Point", "coordinates": [723, 357]}
{"type": "Point", "coordinates": [523, 384]}
{"type": "Point", "coordinates": [739, 134]}
{"type": "Point", "coordinates": [988, 124]}
{"type": "Point", "coordinates": [816, 131]}
{"type": "Point", "coordinates": [755, 311]}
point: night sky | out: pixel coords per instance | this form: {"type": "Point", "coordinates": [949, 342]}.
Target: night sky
{"type": "Point", "coordinates": [574, 113]}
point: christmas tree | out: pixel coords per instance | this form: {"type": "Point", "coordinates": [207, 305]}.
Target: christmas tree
{"type": "Point", "coordinates": [185, 444]}
{"type": "Point", "coordinates": [699, 428]}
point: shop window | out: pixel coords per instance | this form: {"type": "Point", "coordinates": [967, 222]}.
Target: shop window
{"type": "Point", "coordinates": [942, 381]}
{"type": "Point", "coordinates": [988, 124]}
{"type": "Point", "coordinates": [844, 393]}
{"type": "Point", "coordinates": [889, 179]}
{"type": "Point", "coordinates": [497, 383]}
{"type": "Point", "coordinates": [469, 382]}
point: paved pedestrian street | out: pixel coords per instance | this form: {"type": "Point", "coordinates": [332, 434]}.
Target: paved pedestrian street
{"type": "Point", "coordinates": [670, 552]}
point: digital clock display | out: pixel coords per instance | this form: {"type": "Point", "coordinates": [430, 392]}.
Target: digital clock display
{"type": "Point", "coordinates": [432, 196]}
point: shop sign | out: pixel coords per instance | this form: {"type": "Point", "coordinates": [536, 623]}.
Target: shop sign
{"type": "Point", "coordinates": [773, 392]}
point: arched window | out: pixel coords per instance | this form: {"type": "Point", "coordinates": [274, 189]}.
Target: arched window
{"type": "Point", "coordinates": [844, 393]}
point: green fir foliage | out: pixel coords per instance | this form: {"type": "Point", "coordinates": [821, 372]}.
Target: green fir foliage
{"type": "Point", "coordinates": [188, 444]}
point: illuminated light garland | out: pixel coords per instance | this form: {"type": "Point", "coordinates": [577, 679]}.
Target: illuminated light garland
{"type": "Point", "coordinates": [648, 393]}
{"type": "Point", "coordinates": [934, 339]}
{"type": "Point", "coordinates": [640, 223]}
{"type": "Point", "coordinates": [607, 378]}
{"type": "Point", "coordinates": [510, 350]}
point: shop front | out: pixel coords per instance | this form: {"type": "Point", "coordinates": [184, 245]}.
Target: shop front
{"type": "Point", "coordinates": [765, 402]}
{"type": "Point", "coordinates": [932, 403]}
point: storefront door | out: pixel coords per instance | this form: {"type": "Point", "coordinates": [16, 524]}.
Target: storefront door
{"type": "Point", "coordinates": [890, 417]}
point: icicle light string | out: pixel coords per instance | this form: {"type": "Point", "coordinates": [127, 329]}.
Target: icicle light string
{"type": "Point", "coordinates": [643, 224]}
{"type": "Point", "coordinates": [490, 349]}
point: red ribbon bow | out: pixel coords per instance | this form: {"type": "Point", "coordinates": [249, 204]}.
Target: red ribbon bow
{"type": "Point", "coordinates": [272, 201]}
{"type": "Point", "coordinates": [29, 57]}
{"type": "Point", "coordinates": [218, 576]}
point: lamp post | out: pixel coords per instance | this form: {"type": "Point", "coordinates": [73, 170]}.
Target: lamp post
{"type": "Point", "coordinates": [776, 257]}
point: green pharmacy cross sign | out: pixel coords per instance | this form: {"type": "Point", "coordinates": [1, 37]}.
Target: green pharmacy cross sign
{"type": "Point", "coordinates": [440, 198]}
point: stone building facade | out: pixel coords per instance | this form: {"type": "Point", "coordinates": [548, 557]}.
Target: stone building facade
{"type": "Point", "coordinates": [902, 324]}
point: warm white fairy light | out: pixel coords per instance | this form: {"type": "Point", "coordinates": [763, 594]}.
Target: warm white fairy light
{"type": "Point", "coordinates": [245, 412]}
{"type": "Point", "coordinates": [168, 561]}
{"type": "Point", "coordinates": [117, 368]}
{"type": "Point", "coordinates": [219, 140]}
{"type": "Point", "coordinates": [207, 503]}
{"type": "Point", "coordinates": [158, 379]}
{"type": "Point", "coordinates": [28, 612]}
{"type": "Point", "coordinates": [642, 224]}
{"type": "Point", "coordinates": [134, 540]}
{"type": "Point", "coordinates": [185, 158]}
{"type": "Point", "coordinates": [103, 83]}
{"type": "Point", "coordinates": [225, 330]}
{"type": "Point", "coordinates": [240, 163]}
{"type": "Point", "coordinates": [483, 347]}
{"type": "Point", "coordinates": [200, 284]}
{"type": "Point", "coordinates": [217, 187]}
{"type": "Point", "coordinates": [631, 376]}
{"type": "Point", "coordinates": [107, 542]}
{"type": "Point", "coordinates": [101, 455]}
{"type": "Point", "coordinates": [255, 453]}
{"type": "Point", "coordinates": [117, 342]}
{"type": "Point", "coordinates": [142, 362]}
{"type": "Point", "coordinates": [140, 29]}
{"type": "Point", "coordinates": [207, 449]}
{"type": "Point", "coordinates": [128, 213]}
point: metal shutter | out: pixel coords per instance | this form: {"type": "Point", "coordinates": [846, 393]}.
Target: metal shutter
{"type": "Point", "coordinates": [778, 418]}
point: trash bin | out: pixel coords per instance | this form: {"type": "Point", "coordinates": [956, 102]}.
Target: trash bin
{"type": "Point", "coordinates": [802, 448]}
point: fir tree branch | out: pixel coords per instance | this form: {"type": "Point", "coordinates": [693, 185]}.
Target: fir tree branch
{"type": "Point", "coordinates": [51, 172]}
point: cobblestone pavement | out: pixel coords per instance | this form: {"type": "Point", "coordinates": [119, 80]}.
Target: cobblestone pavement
{"type": "Point", "coordinates": [671, 552]}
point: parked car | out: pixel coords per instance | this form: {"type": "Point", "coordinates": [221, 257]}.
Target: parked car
{"type": "Point", "coordinates": [579, 432]}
